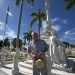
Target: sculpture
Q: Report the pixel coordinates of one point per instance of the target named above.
(57, 49)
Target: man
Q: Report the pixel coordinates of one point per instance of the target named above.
(37, 49)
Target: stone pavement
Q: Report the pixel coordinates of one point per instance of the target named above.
(25, 68)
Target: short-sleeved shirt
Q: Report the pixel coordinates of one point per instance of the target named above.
(37, 47)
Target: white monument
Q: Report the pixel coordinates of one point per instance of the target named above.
(57, 49)
(51, 37)
(54, 47)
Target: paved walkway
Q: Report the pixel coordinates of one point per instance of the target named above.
(25, 68)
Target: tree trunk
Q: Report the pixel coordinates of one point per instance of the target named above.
(19, 25)
(39, 28)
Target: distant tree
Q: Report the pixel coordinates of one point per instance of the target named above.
(6, 42)
(70, 3)
(1, 44)
(27, 37)
(38, 17)
(72, 45)
(66, 44)
(14, 43)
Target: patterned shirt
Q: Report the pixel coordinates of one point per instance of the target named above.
(38, 47)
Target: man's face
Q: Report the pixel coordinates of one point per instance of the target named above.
(34, 36)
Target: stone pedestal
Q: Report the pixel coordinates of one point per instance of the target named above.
(15, 60)
(3, 56)
(49, 64)
(2, 60)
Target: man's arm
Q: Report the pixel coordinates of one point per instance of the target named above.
(46, 47)
(43, 52)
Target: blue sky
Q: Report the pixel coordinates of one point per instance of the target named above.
(61, 20)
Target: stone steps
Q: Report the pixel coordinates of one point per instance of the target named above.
(10, 60)
(57, 69)
(26, 69)
(26, 64)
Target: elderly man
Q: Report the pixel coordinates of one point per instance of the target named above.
(37, 49)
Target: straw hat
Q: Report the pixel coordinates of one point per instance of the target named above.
(40, 64)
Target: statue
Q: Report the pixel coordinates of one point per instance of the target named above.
(57, 49)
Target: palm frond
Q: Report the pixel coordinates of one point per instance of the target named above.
(69, 3)
(39, 16)
(43, 16)
(17, 2)
(34, 14)
(25, 33)
(33, 20)
(28, 2)
(27, 37)
(32, 2)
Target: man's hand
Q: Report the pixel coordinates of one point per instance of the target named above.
(39, 54)
(34, 56)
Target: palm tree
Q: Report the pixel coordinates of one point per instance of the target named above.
(1, 44)
(6, 42)
(70, 3)
(38, 17)
(18, 2)
(27, 37)
(14, 43)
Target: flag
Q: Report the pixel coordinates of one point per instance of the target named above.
(7, 14)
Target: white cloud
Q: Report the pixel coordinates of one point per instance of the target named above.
(56, 27)
(70, 34)
(55, 19)
(64, 21)
(1, 23)
(9, 13)
(67, 32)
(1, 26)
(10, 33)
(1, 37)
(43, 24)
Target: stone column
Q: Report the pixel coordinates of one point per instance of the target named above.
(2, 59)
(3, 56)
(15, 60)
